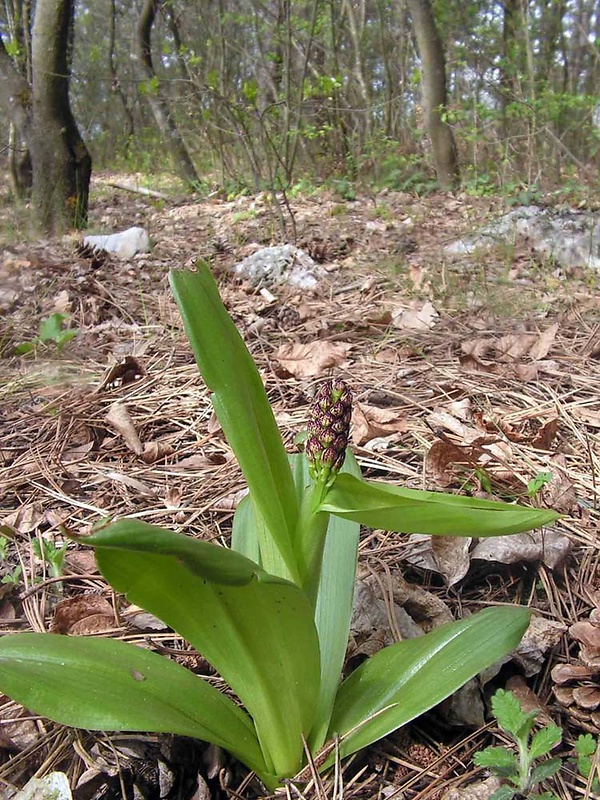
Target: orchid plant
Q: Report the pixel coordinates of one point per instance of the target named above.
(272, 613)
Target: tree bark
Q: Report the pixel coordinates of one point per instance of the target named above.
(158, 101)
(62, 165)
(433, 87)
(41, 113)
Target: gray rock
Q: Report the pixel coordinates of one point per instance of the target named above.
(569, 238)
(282, 264)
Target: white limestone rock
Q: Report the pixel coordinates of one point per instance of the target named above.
(569, 238)
(281, 264)
(124, 245)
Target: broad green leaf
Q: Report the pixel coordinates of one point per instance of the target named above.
(259, 635)
(240, 403)
(104, 684)
(333, 611)
(394, 508)
(251, 537)
(244, 533)
(402, 681)
(336, 588)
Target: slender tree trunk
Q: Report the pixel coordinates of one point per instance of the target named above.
(41, 113)
(62, 165)
(157, 99)
(433, 86)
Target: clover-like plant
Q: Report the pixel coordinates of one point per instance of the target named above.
(271, 614)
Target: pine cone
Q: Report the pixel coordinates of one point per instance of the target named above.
(97, 258)
(288, 316)
(328, 430)
(578, 684)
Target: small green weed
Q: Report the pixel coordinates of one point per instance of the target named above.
(11, 576)
(52, 329)
(520, 770)
(50, 554)
(586, 750)
(536, 484)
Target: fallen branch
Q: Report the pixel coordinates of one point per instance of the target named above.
(137, 190)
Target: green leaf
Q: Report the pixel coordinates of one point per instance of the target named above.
(241, 405)
(510, 716)
(104, 684)
(259, 634)
(51, 327)
(404, 680)
(25, 347)
(244, 533)
(497, 757)
(545, 770)
(333, 612)
(585, 745)
(544, 740)
(394, 508)
(504, 793)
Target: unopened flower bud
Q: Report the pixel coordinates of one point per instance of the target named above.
(328, 429)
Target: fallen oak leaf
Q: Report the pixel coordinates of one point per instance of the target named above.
(547, 546)
(119, 418)
(369, 422)
(416, 318)
(313, 359)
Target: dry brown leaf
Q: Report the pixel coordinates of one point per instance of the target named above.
(419, 317)
(25, 519)
(442, 456)
(368, 422)
(546, 435)
(548, 546)
(446, 555)
(155, 451)
(119, 418)
(81, 562)
(528, 699)
(451, 554)
(559, 493)
(512, 346)
(75, 609)
(313, 359)
(471, 363)
(544, 343)
(541, 637)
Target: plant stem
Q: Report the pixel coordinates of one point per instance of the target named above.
(310, 537)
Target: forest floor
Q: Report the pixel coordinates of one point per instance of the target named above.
(476, 374)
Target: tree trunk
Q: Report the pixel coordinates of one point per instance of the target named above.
(433, 87)
(19, 164)
(41, 113)
(158, 101)
(62, 165)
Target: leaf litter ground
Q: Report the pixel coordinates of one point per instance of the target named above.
(474, 375)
